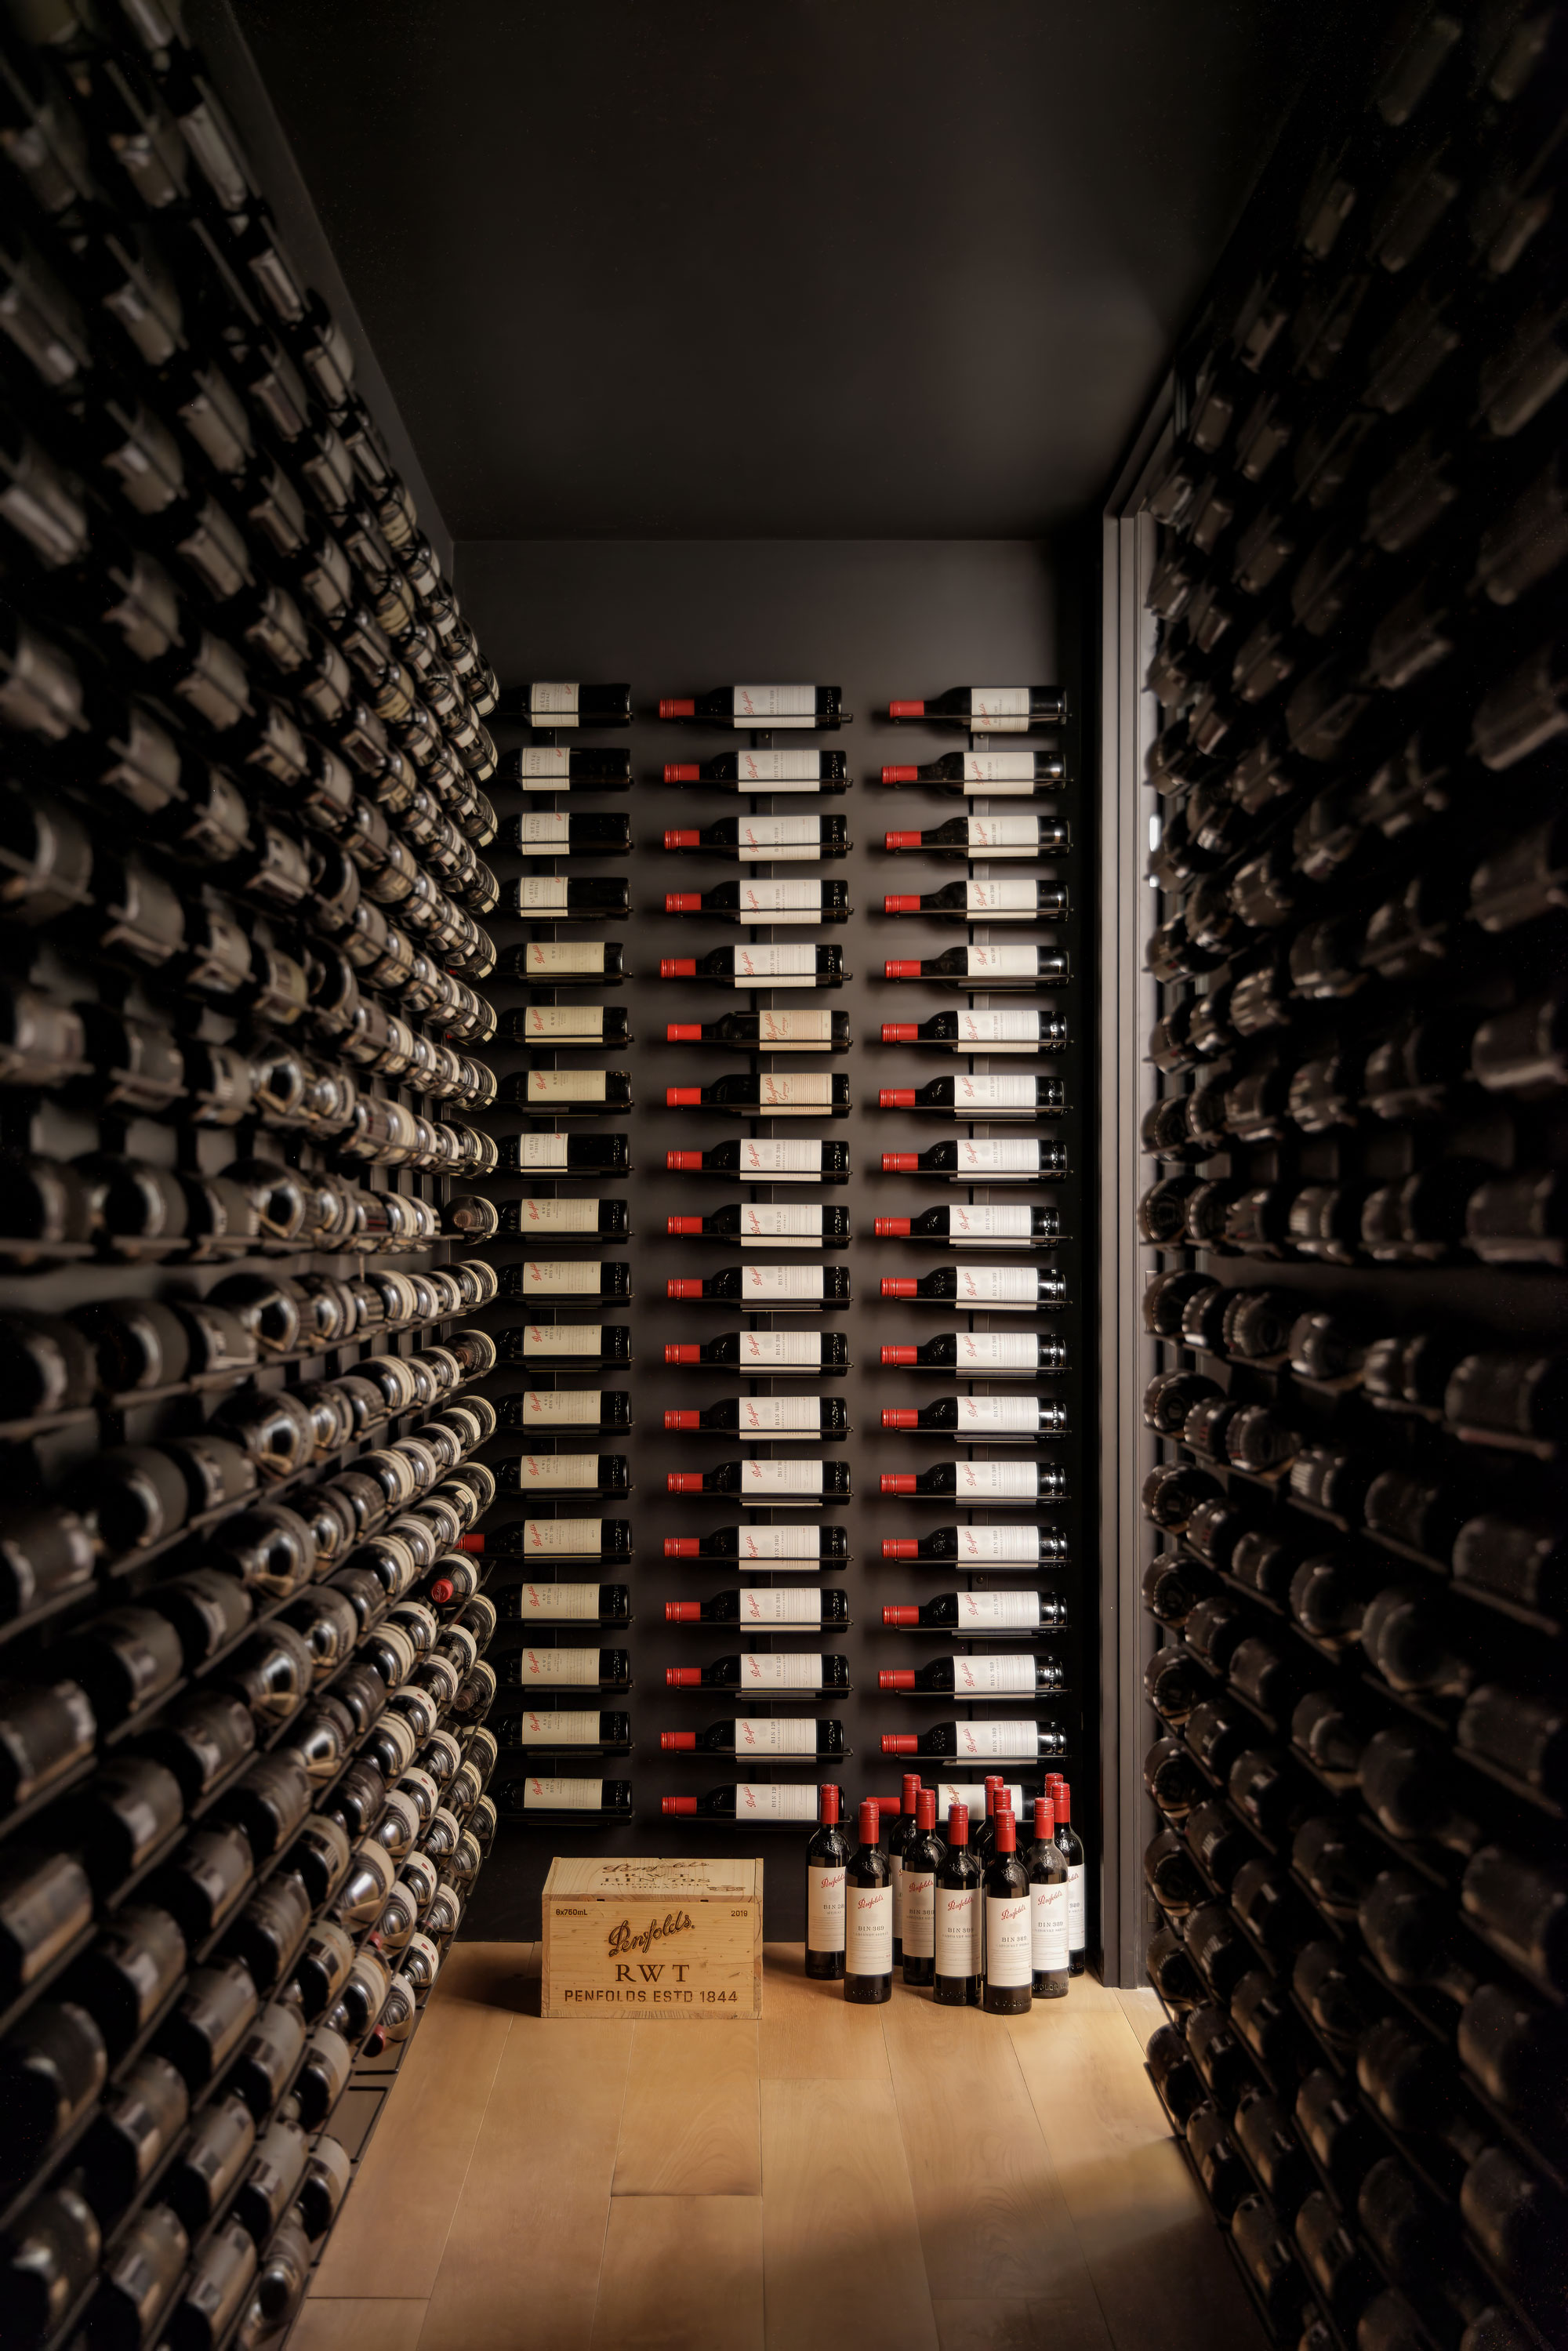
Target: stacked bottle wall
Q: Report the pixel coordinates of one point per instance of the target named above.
(241, 1755)
(1356, 1223)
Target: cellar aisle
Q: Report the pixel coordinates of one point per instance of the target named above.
(907, 2177)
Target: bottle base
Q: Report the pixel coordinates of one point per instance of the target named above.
(825, 1967)
(1050, 1985)
(1075, 1964)
(868, 1991)
(1008, 1999)
(918, 1971)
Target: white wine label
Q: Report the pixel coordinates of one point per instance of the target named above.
(990, 769)
(953, 1930)
(761, 1282)
(1003, 962)
(561, 1339)
(764, 768)
(541, 893)
(998, 1285)
(998, 709)
(895, 1876)
(567, 1086)
(868, 1930)
(778, 1605)
(550, 1471)
(756, 1737)
(775, 1415)
(561, 1276)
(779, 1542)
(979, 1028)
(786, 837)
(1014, 898)
(1017, 1415)
(576, 1407)
(824, 1907)
(552, 705)
(786, 966)
(988, 1677)
(760, 1477)
(793, 901)
(775, 705)
(759, 1800)
(919, 1913)
(792, 1669)
(544, 763)
(762, 1158)
(794, 1029)
(563, 1795)
(558, 1216)
(547, 959)
(1006, 1157)
(972, 1796)
(568, 1668)
(541, 830)
(543, 1150)
(761, 1349)
(976, 1095)
(547, 1021)
(558, 1603)
(1075, 1905)
(800, 1093)
(765, 1222)
(1011, 1481)
(1003, 1224)
(1048, 1927)
(572, 1729)
(979, 1610)
(1004, 836)
(1009, 1942)
(997, 1351)
(980, 1740)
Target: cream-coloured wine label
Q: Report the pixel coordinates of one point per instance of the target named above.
(985, 1611)
(973, 1095)
(998, 1285)
(758, 1479)
(768, 1350)
(543, 1150)
(988, 771)
(542, 828)
(1007, 1223)
(782, 1029)
(558, 1216)
(805, 1094)
(767, 1223)
(953, 1924)
(992, 1677)
(981, 1030)
(541, 893)
(998, 709)
(762, 1156)
(554, 1604)
(971, 1795)
(781, 902)
(754, 1735)
(566, 1668)
(1003, 962)
(770, 769)
(562, 1338)
(547, 1024)
(1047, 1927)
(548, 958)
(576, 1729)
(779, 1542)
(1008, 1481)
(759, 1800)
(774, 705)
(561, 1277)
(779, 1606)
(567, 1086)
(790, 1669)
(760, 1283)
(985, 1740)
(868, 1930)
(786, 838)
(1006, 1415)
(997, 1351)
(919, 1913)
(550, 1472)
(779, 1416)
(553, 705)
(1075, 1905)
(569, 1407)
(776, 966)
(1009, 1940)
(544, 763)
(563, 1795)
(1004, 836)
(1009, 1156)
(824, 1906)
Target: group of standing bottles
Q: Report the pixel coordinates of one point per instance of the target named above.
(983, 1924)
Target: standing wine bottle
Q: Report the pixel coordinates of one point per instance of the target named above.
(543, 768)
(1071, 1846)
(760, 707)
(978, 1096)
(983, 1546)
(749, 1736)
(766, 1032)
(605, 1474)
(759, 1159)
(984, 901)
(774, 840)
(824, 1094)
(979, 1678)
(979, 1485)
(551, 706)
(765, 771)
(756, 1605)
(567, 1346)
(868, 1915)
(983, 1420)
(610, 1799)
(769, 1289)
(798, 964)
(766, 1225)
(991, 709)
(1020, 1159)
(971, 1227)
(567, 1093)
(785, 1485)
(545, 1539)
(898, 1837)
(565, 963)
(1012, 837)
(767, 1354)
(765, 902)
(984, 1354)
(827, 1418)
(1010, 1945)
(1008, 966)
(975, 1741)
(1048, 1879)
(955, 1977)
(823, 1544)
(550, 898)
(999, 775)
(923, 1858)
(982, 1032)
(539, 833)
(750, 1800)
(537, 1280)
(565, 1154)
(992, 1289)
(827, 1858)
(754, 1670)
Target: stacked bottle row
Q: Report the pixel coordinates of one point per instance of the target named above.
(1356, 1212)
(242, 1765)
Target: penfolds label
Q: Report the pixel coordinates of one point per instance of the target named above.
(558, 1603)
(780, 1415)
(548, 1471)
(543, 1150)
(983, 963)
(567, 1668)
(1048, 1927)
(549, 1022)
(779, 1542)
(868, 1930)
(1018, 1416)
(998, 1285)
(543, 763)
(541, 893)
(775, 705)
(1010, 1939)
(1075, 1905)
(540, 830)
(1011, 1481)
(979, 1740)
(547, 959)
(766, 1223)
(953, 1930)
(997, 1351)
(792, 1669)
(971, 1093)
(756, 1737)
(824, 1907)
(561, 1276)
(1004, 836)
(984, 1610)
(757, 1799)
(1005, 772)
(758, 1479)
(919, 1921)
(795, 1028)
(1003, 1158)
(558, 1216)
(566, 1085)
(981, 1028)
(574, 1407)
(775, 767)
(998, 709)
(972, 1796)
(1003, 1224)
(758, 1283)
(576, 1728)
(561, 1339)
(552, 705)
(988, 1677)
(784, 837)
(766, 1349)
(563, 1795)
(781, 902)
(1006, 899)
(778, 967)
(762, 1158)
(801, 1093)
(779, 1606)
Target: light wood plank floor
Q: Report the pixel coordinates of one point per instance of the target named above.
(900, 2178)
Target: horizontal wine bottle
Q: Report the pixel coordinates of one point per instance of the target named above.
(968, 1226)
(1006, 901)
(545, 767)
(994, 1289)
(983, 1420)
(990, 709)
(978, 1484)
(827, 1545)
(762, 1159)
(765, 902)
(773, 839)
(564, 1603)
(998, 775)
(980, 1742)
(551, 898)
(767, 1354)
(800, 1094)
(757, 1224)
(984, 1354)
(791, 965)
(1008, 965)
(551, 1028)
(982, 1611)
(608, 1220)
(981, 1546)
(607, 1800)
(988, 1031)
(1012, 837)
(760, 707)
(770, 1289)
(966, 1678)
(746, 1736)
(753, 1605)
(752, 1670)
(537, 1279)
(766, 1032)
(548, 1538)
(765, 771)
(783, 1485)
(544, 1411)
(824, 1417)
(572, 1727)
(566, 1346)
(566, 1473)
(567, 1093)
(541, 832)
(983, 1160)
(566, 705)
(534, 1667)
(564, 963)
(565, 1154)
(748, 1800)
(983, 1097)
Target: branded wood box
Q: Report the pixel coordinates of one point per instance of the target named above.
(652, 1939)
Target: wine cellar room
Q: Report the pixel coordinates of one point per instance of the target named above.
(680, 1357)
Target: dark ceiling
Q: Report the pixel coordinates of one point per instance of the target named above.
(775, 268)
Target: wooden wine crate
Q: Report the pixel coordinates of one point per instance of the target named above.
(649, 1939)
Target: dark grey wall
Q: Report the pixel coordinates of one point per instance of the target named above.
(882, 618)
